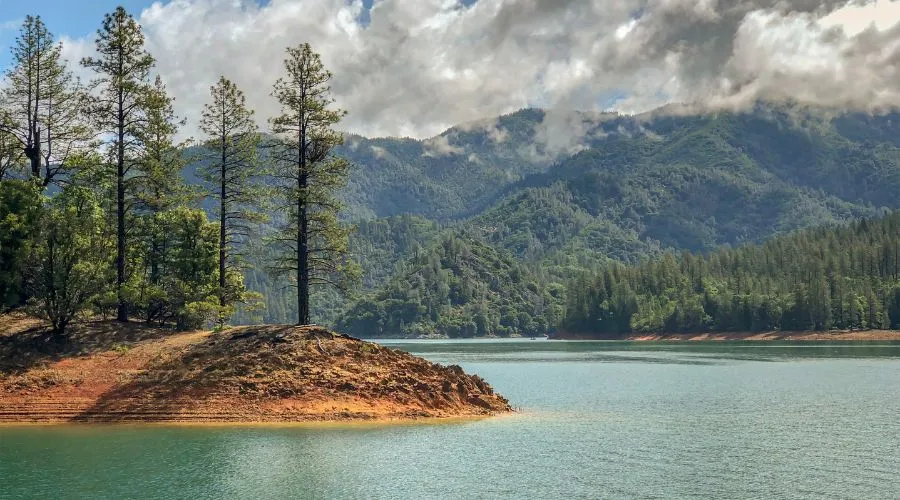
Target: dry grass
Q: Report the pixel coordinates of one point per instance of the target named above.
(249, 374)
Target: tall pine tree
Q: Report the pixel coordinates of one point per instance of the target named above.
(158, 188)
(232, 172)
(311, 239)
(123, 68)
(43, 104)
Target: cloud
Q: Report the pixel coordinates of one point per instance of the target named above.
(11, 24)
(440, 146)
(414, 68)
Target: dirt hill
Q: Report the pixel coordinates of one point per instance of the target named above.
(111, 372)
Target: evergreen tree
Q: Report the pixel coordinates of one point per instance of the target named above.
(122, 67)
(232, 172)
(68, 264)
(158, 187)
(43, 105)
(312, 241)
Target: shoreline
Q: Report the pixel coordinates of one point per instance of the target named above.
(252, 424)
(793, 336)
(258, 375)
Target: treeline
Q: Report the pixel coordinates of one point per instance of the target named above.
(95, 216)
(457, 287)
(383, 245)
(844, 277)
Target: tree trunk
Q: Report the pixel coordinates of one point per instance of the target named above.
(302, 258)
(33, 153)
(121, 309)
(302, 236)
(222, 253)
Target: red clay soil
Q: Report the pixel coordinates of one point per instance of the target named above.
(836, 335)
(109, 373)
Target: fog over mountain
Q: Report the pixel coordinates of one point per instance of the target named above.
(415, 68)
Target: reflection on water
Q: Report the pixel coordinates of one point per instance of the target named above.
(597, 419)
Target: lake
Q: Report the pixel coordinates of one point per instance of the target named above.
(595, 420)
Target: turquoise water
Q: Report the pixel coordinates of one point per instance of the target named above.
(596, 420)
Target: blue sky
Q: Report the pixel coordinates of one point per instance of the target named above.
(63, 17)
(73, 18)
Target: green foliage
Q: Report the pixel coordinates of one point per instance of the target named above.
(182, 285)
(68, 262)
(310, 240)
(457, 288)
(837, 277)
(20, 212)
(159, 186)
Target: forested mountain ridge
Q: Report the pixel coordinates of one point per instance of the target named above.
(691, 182)
(635, 187)
(816, 279)
(461, 288)
(711, 182)
(445, 177)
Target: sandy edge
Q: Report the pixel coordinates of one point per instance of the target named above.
(315, 424)
(798, 336)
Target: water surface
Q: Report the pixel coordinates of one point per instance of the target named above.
(596, 419)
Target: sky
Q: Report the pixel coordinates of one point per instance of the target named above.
(415, 67)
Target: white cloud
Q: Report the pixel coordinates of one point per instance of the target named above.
(440, 146)
(856, 18)
(420, 66)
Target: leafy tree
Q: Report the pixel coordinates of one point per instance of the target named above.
(190, 281)
(157, 187)
(43, 104)
(232, 172)
(313, 242)
(69, 260)
(20, 212)
(122, 67)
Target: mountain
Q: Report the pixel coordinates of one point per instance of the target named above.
(700, 182)
(450, 176)
(641, 185)
(459, 288)
(564, 193)
(844, 277)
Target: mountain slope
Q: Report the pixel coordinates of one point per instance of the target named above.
(845, 277)
(458, 288)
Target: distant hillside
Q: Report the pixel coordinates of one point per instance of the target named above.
(446, 177)
(566, 192)
(700, 182)
(845, 277)
(458, 288)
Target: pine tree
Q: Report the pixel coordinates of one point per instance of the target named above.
(312, 239)
(158, 187)
(123, 68)
(232, 172)
(10, 153)
(43, 105)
